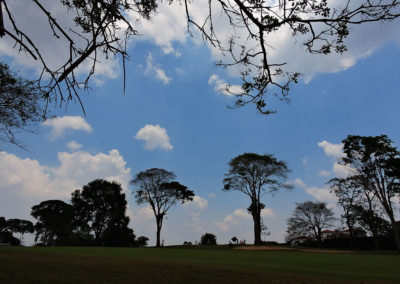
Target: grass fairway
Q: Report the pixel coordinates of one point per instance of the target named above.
(192, 265)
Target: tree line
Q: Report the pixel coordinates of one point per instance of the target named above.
(97, 212)
(366, 196)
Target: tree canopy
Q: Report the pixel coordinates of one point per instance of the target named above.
(20, 226)
(309, 219)
(377, 165)
(100, 207)
(156, 188)
(104, 27)
(255, 175)
(54, 224)
(208, 239)
(21, 105)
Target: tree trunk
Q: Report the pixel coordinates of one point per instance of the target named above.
(257, 228)
(159, 225)
(396, 232)
(351, 234)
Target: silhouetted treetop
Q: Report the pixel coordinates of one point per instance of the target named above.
(157, 188)
(255, 175)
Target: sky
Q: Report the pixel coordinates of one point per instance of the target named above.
(173, 115)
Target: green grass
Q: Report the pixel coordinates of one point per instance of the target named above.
(192, 265)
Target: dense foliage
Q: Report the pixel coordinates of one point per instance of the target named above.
(96, 216)
(156, 188)
(254, 175)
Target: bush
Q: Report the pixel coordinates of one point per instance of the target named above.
(7, 237)
(208, 239)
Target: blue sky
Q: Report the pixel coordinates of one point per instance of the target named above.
(172, 116)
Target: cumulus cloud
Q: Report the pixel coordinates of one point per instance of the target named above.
(154, 137)
(198, 203)
(267, 213)
(73, 145)
(165, 30)
(335, 151)
(239, 217)
(156, 71)
(193, 211)
(322, 194)
(332, 150)
(169, 27)
(26, 182)
(324, 173)
(342, 170)
(222, 87)
(61, 124)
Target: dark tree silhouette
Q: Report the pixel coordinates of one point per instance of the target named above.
(255, 175)
(235, 240)
(20, 106)
(103, 26)
(208, 239)
(348, 192)
(54, 224)
(142, 241)
(156, 188)
(309, 219)
(6, 235)
(3, 224)
(377, 163)
(20, 226)
(101, 208)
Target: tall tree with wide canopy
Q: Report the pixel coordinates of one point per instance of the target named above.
(157, 188)
(54, 224)
(377, 163)
(20, 226)
(101, 207)
(256, 175)
(309, 219)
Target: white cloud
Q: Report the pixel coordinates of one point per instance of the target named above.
(342, 170)
(73, 145)
(335, 151)
(198, 203)
(330, 149)
(322, 194)
(222, 87)
(60, 124)
(324, 173)
(267, 213)
(156, 71)
(239, 217)
(26, 182)
(169, 26)
(154, 137)
(193, 210)
(211, 195)
(164, 28)
(144, 214)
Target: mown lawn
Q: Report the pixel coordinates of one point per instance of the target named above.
(192, 265)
